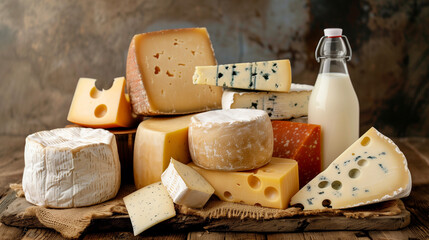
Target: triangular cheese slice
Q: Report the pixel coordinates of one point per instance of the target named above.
(371, 170)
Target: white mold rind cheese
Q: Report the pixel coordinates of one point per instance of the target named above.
(185, 185)
(278, 105)
(231, 140)
(71, 167)
(371, 170)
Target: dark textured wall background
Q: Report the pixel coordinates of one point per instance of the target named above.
(45, 46)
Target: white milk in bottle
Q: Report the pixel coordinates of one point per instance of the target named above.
(333, 102)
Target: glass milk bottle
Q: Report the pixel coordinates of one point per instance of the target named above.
(333, 102)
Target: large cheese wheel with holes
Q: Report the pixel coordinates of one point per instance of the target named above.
(71, 167)
(231, 140)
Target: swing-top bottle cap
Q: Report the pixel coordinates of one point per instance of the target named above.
(333, 32)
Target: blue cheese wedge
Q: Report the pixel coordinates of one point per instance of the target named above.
(149, 206)
(265, 76)
(371, 170)
(278, 105)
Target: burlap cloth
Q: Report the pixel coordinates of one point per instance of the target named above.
(73, 221)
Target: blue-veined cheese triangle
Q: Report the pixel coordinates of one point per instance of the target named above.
(371, 170)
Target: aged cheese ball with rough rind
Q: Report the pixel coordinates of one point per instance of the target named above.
(71, 167)
(231, 140)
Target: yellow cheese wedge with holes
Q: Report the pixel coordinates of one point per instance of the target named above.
(270, 186)
(91, 107)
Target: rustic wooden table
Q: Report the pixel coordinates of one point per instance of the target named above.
(415, 149)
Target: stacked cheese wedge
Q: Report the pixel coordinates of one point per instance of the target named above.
(245, 152)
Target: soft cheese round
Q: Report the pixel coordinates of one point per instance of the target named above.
(231, 140)
(71, 167)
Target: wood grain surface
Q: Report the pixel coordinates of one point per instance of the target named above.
(415, 149)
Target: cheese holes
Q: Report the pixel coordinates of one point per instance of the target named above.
(323, 184)
(362, 162)
(100, 111)
(258, 205)
(254, 182)
(267, 170)
(271, 193)
(94, 93)
(365, 141)
(298, 205)
(169, 74)
(157, 69)
(354, 173)
(336, 185)
(227, 195)
(326, 203)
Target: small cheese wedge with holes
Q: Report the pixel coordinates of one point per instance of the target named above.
(91, 107)
(149, 206)
(265, 76)
(270, 186)
(371, 170)
(185, 185)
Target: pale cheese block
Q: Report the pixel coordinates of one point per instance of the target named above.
(158, 140)
(278, 105)
(265, 75)
(185, 185)
(149, 206)
(231, 140)
(71, 167)
(371, 170)
(110, 108)
(160, 66)
(272, 185)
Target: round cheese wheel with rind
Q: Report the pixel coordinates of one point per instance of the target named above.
(231, 140)
(71, 167)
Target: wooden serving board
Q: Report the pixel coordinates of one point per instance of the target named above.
(11, 207)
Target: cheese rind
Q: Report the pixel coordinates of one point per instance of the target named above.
(149, 206)
(157, 141)
(371, 170)
(160, 66)
(71, 167)
(101, 109)
(185, 185)
(266, 75)
(278, 105)
(231, 140)
(270, 186)
(301, 142)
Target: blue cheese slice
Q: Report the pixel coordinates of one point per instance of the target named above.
(149, 206)
(371, 170)
(265, 76)
(278, 105)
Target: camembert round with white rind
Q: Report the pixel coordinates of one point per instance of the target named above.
(231, 140)
(71, 167)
